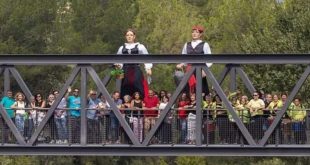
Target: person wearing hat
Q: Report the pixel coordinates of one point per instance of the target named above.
(196, 46)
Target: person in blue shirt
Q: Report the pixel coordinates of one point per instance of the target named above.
(74, 105)
(7, 102)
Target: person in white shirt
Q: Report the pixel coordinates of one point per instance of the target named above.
(133, 80)
(196, 46)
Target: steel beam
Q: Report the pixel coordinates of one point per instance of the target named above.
(163, 150)
(118, 84)
(154, 58)
(115, 110)
(199, 104)
(245, 79)
(51, 110)
(21, 83)
(83, 105)
(290, 98)
(106, 79)
(7, 82)
(11, 125)
(164, 112)
(233, 79)
(228, 105)
(224, 74)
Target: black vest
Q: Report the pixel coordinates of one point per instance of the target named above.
(134, 50)
(198, 49)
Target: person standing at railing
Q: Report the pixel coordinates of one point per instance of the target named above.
(151, 104)
(208, 121)
(297, 112)
(114, 123)
(60, 117)
(244, 114)
(74, 105)
(92, 117)
(40, 114)
(196, 46)
(133, 80)
(287, 124)
(127, 115)
(165, 131)
(222, 121)
(191, 119)
(7, 101)
(137, 115)
(273, 108)
(20, 105)
(50, 131)
(256, 106)
(182, 116)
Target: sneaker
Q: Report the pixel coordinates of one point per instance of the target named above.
(52, 141)
(65, 141)
(58, 141)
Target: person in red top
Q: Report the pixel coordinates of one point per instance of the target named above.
(182, 115)
(151, 104)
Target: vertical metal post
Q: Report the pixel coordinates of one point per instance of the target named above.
(198, 105)
(83, 106)
(7, 83)
(233, 79)
(118, 85)
(21, 82)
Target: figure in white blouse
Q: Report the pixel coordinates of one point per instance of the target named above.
(196, 46)
(134, 80)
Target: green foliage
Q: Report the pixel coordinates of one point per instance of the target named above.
(274, 161)
(185, 160)
(166, 25)
(116, 72)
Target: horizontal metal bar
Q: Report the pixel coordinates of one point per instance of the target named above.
(155, 58)
(157, 151)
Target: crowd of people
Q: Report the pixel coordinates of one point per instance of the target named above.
(141, 113)
(141, 107)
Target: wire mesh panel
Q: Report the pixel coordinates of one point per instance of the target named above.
(55, 131)
(7, 137)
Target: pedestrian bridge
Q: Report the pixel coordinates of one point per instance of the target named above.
(210, 131)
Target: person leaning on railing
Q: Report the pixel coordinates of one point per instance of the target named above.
(151, 104)
(60, 117)
(92, 117)
(183, 100)
(20, 113)
(137, 115)
(297, 113)
(221, 119)
(208, 120)
(256, 106)
(7, 102)
(74, 105)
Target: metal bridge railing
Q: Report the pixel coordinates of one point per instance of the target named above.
(103, 128)
(166, 130)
